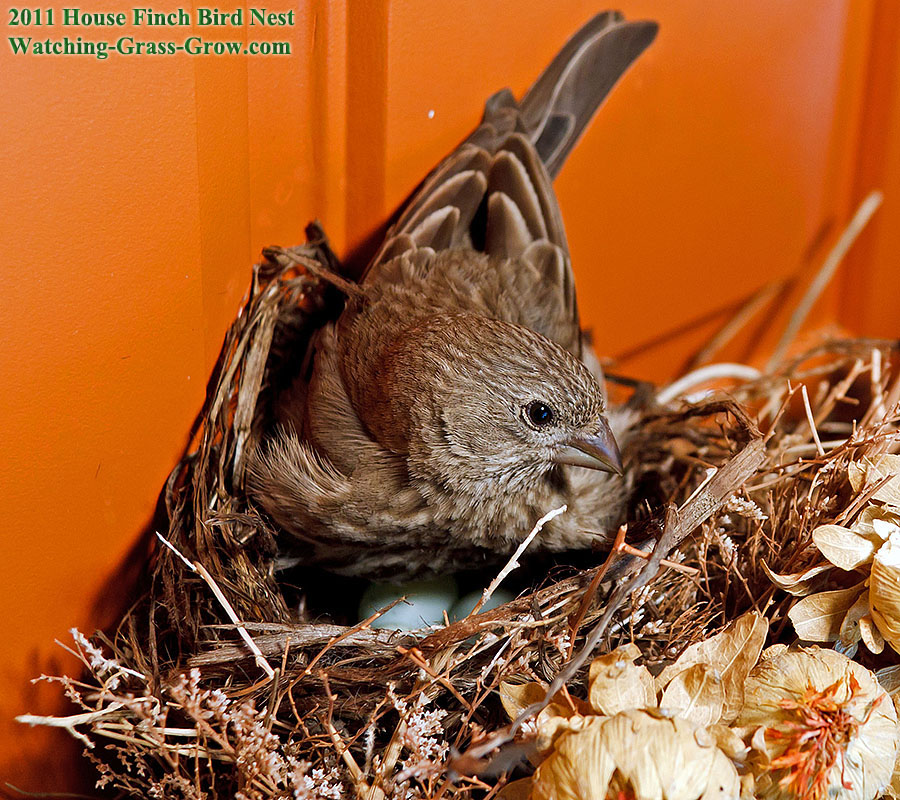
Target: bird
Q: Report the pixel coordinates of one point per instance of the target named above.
(455, 399)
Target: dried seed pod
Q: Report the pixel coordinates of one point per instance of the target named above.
(823, 727)
(637, 755)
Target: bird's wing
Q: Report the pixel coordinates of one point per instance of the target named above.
(494, 192)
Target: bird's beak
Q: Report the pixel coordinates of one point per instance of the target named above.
(595, 451)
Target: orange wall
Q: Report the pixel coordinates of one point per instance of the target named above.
(138, 191)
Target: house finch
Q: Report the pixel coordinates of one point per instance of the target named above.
(455, 399)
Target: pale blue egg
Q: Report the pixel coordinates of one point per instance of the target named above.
(425, 603)
(467, 602)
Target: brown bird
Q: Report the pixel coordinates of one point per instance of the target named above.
(455, 400)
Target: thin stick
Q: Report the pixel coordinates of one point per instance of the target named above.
(223, 601)
(345, 634)
(838, 392)
(514, 560)
(70, 721)
(809, 447)
(311, 265)
(684, 569)
(731, 328)
(812, 422)
(876, 407)
(711, 473)
(826, 272)
(588, 597)
(415, 655)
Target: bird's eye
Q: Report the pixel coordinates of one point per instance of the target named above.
(539, 414)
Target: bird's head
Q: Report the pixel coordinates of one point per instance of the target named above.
(485, 401)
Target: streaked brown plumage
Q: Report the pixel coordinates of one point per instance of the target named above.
(454, 401)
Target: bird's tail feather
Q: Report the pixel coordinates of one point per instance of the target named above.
(563, 100)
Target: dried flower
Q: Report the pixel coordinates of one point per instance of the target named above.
(870, 610)
(635, 755)
(622, 746)
(422, 735)
(744, 507)
(821, 725)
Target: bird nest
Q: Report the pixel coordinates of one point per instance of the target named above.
(219, 682)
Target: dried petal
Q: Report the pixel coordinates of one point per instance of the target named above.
(732, 653)
(552, 723)
(884, 529)
(557, 716)
(849, 633)
(884, 590)
(844, 547)
(696, 695)
(893, 790)
(795, 583)
(818, 618)
(758, 741)
(617, 684)
(856, 472)
(773, 651)
(636, 755)
(871, 636)
(729, 742)
(516, 697)
(876, 521)
(827, 727)
(872, 470)
(516, 790)
(889, 678)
